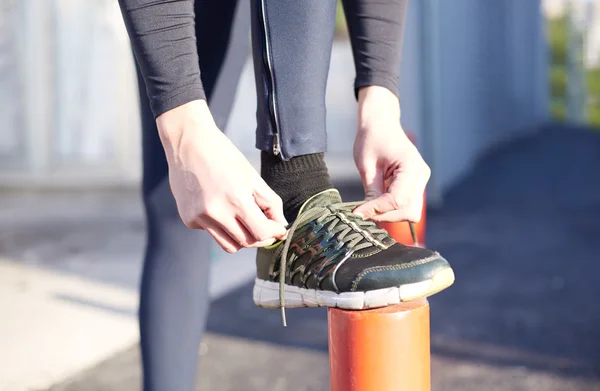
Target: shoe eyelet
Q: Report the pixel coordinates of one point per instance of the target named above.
(316, 227)
(326, 241)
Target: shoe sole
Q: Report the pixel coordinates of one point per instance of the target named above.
(266, 294)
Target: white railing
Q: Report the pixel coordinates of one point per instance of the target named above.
(578, 23)
(70, 94)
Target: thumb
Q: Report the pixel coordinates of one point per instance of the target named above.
(372, 179)
(373, 183)
(270, 203)
(373, 208)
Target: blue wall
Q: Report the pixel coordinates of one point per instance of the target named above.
(474, 75)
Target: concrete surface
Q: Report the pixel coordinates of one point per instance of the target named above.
(522, 232)
(55, 325)
(69, 270)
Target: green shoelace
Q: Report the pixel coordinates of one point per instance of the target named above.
(352, 229)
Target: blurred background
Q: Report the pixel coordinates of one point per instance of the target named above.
(503, 98)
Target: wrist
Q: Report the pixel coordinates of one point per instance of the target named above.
(178, 127)
(377, 104)
(190, 115)
(376, 92)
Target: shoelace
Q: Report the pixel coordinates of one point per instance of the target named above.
(351, 230)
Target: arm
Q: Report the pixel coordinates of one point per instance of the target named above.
(376, 31)
(214, 186)
(164, 44)
(393, 172)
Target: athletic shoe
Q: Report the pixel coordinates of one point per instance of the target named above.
(334, 258)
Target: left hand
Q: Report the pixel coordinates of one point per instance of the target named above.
(393, 172)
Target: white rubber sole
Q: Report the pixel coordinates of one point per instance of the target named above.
(266, 294)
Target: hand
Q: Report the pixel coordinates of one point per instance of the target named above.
(215, 187)
(393, 172)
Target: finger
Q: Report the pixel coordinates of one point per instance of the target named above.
(385, 208)
(238, 232)
(243, 237)
(259, 226)
(264, 243)
(408, 191)
(412, 212)
(403, 197)
(380, 205)
(269, 202)
(372, 179)
(223, 239)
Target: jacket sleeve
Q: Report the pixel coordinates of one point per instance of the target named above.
(162, 34)
(376, 29)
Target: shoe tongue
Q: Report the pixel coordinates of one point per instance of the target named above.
(324, 198)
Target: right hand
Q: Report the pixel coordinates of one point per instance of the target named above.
(214, 185)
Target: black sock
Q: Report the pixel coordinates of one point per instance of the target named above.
(295, 180)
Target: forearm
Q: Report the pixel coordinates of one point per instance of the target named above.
(376, 33)
(163, 37)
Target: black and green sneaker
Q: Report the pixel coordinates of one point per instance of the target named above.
(334, 258)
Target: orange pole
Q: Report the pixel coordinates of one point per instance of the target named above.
(383, 349)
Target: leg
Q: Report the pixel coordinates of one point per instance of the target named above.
(292, 43)
(174, 293)
(331, 256)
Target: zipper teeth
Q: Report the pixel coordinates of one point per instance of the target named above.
(268, 66)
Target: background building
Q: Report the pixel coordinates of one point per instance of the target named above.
(474, 75)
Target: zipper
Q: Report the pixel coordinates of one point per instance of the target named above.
(270, 81)
(276, 146)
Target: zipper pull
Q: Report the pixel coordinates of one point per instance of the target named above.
(276, 147)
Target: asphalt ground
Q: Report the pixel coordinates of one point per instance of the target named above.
(522, 232)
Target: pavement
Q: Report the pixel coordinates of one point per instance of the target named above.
(521, 231)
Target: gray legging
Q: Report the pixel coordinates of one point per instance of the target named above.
(292, 42)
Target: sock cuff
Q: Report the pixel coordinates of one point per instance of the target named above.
(271, 164)
(295, 180)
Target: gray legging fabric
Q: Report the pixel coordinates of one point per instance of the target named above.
(291, 42)
(174, 292)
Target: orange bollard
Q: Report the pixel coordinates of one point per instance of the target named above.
(383, 349)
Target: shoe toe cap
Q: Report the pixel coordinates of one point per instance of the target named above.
(395, 267)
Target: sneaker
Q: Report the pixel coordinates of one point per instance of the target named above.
(334, 258)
